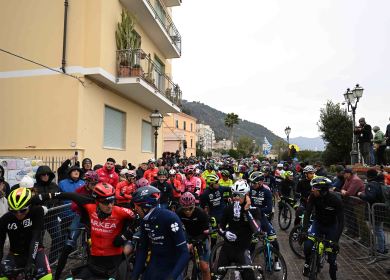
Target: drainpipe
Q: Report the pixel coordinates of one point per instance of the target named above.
(64, 40)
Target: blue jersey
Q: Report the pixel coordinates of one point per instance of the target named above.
(269, 181)
(262, 199)
(169, 252)
(214, 200)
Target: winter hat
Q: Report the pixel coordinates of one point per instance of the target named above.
(371, 173)
(318, 163)
(27, 182)
(339, 168)
(376, 128)
(124, 171)
(362, 120)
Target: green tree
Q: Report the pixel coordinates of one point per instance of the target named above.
(280, 146)
(230, 120)
(304, 155)
(233, 153)
(335, 126)
(245, 144)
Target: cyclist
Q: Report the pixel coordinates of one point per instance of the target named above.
(125, 188)
(245, 172)
(106, 228)
(91, 179)
(24, 224)
(225, 182)
(269, 180)
(237, 174)
(151, 173)
(164, 187)
(212, 199)
(191, 183)
(162, 230)
(329, 220)
(209, 170)
(179, 177)
(239, 222)
(303, 191)
(176, 185)
(286, 185)
(196, 223)
(261, 197)
(198, 174)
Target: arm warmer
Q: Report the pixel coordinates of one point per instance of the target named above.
(254, 217)
(36, 234)
(309, 209)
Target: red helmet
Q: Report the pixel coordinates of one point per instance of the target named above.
(91, 177)
(141, 183)
(103, 191)
(189, 170)
(187, 200)
(131, 174)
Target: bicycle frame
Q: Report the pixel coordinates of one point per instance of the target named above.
(319, 249)
(267, 255)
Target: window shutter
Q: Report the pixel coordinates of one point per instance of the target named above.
(147, 137)
(114, 129)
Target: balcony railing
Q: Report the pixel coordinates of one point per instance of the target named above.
(163, 16)
(136, 63)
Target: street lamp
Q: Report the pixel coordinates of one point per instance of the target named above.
(287, 130)
(156, 119)
(352, 99)
(254, 145)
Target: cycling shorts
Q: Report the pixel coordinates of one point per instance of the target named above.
(203, 256)
(42, 264)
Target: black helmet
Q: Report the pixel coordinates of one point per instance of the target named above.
(162, 172)
(146, 197)
(321, 183)
(257, 177)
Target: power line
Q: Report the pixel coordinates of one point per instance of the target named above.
(43, 66)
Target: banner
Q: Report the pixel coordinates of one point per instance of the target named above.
(269, 146)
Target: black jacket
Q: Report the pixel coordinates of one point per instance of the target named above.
(373, 194)
(364, 134)
(48, 186)
(387, 134)
(140, 173)
(321, 172)
(7, 188)
(62, 171)
(83, 168)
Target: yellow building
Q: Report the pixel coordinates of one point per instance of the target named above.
(179, 127)
(100, 108)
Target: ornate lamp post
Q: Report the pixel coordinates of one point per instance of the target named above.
(156, 119)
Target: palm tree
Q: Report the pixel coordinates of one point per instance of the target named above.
(230, 120)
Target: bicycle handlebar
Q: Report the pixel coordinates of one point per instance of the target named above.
(240, 268)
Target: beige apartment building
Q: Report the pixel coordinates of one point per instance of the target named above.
(101, 107)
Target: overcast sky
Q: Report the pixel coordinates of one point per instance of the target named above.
(277, 62)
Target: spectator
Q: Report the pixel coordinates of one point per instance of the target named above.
(379, 139)
(97, 166)
(6, 188)
(294, 163)
(86, 165)
(141, 170)
(131, 167)
(363, 132)
(75, 180)
(107, 173)
(177, 154)
(44, 184)
(354, 185)
(386, 177)
(160, 162)
(125, 188)
(387, 135)
(151, 173)
(373, 194)
(124, 164)
(122, 174)
(371, 150)
(3, 198)
(118, 169)
(320, 169)
(292, 151)
(338, 181)
(62, 171)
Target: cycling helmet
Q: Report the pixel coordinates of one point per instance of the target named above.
(197, 171)
(131, 174)
(321, 183)
(172, 172)
(266, 169)
(257, 177)
(176, 165)
(189, 170)
(241, 187)
(286, 164)
(212, 179)
(308, 169)
(282, 162)
(254, 175)
(187, 200)
(210, 166)
(288, 173)
(146, 197)
(268, 164)
(280, 165)
(19, 198)
(244, 168)
(151, 160)
(141, 183)
(103, 191)
(91, 177)
(162, 172)
(236, 169)
(225, 173)
(26, 182)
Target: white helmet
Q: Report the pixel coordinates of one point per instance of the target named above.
(172, 172)
(240, 186)
(27, 182)
(308, 169)
(280, 165)
(197, 171)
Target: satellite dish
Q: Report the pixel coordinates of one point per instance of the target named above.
(176, 118)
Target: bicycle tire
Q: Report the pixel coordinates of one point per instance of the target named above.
(263, 262)
(287, 219)
(187, 278)
(313, 267)
(190, 269)
(213, 257)
(293, 241)
(131, 260)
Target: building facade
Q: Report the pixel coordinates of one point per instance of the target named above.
(180, 127)
(205, 133)
(101, 107)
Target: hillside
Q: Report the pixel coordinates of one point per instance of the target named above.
(215, 119)
(305, 143)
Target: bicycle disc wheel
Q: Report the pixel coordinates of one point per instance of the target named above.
(294, 244)
(214, 255)
(284, 217)
(267, 262)
(313, 267)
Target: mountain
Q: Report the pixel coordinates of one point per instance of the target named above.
(305, 143)
(215, 119)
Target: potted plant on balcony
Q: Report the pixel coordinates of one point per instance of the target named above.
(136, 70)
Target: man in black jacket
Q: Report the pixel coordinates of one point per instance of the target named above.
(320, 169)
(86, 165)
(7, 187)
(44, 184)
(363, 132)
(387, 135)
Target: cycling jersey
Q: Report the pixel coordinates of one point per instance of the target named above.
(203, 181)
(193, 185)
(303, 189)
(126, 189)
(150, 175)
(286, 187)
(279, 173)
(197, 223)
(206, 173)
(227, 183)
(269, 181)
(179, 177)
(261, 198)
(24, 235)
(169, 253)
(235, 177)
(213, 198)
(177, 187)
(103, 231)
(165, 189)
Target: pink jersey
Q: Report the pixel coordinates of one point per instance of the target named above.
(194, 186)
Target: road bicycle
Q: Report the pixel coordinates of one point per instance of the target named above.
(84, 243)
(192, 270)
(14, 273)
(285, 213)
(238, 269)
(293, 238)
(318, 256)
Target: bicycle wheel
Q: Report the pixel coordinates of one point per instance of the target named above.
(214, 255)
(313, 266)
(190, 270)
(131, 260)
(284, 217)
(267, 262)
(294, 244)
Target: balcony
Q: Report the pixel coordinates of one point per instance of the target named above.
(174, 136)
(172, 3)
(157, 23)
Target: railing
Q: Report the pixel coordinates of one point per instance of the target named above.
(136, 63)
(163, 16)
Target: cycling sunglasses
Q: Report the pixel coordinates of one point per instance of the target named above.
(21, 211)
(106, 202)
(93, 183)
(188, 209)
(240, 195)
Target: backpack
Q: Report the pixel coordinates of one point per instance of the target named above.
(385, 193)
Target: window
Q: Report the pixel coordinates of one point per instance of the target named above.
(114, 128)
(191, 143)
(158, 74)
(147, 137)
(177, 124)
(184, 125)
(191, 127)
